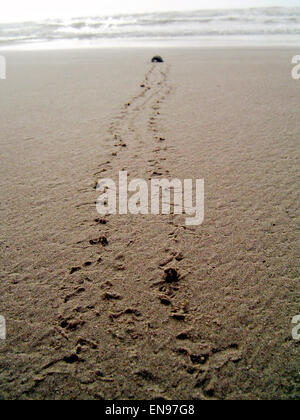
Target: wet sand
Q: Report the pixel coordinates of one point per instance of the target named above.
(98, 320)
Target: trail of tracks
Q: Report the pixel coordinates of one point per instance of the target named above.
(136, 129)
(121, 326)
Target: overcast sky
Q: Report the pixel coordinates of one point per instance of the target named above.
(17, 10)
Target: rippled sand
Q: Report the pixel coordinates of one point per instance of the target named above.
(90, 318)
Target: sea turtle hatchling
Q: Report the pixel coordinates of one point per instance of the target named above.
(157, 59)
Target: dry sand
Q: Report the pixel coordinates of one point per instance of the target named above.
(113, 328)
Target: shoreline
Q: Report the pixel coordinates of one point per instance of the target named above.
(205, 43)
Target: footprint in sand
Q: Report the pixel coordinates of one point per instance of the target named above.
(102, 240)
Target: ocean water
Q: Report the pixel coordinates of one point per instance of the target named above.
(257, 26)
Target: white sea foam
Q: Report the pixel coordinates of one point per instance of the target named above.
(274, 25)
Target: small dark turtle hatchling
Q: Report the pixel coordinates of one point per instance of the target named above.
(157, 59)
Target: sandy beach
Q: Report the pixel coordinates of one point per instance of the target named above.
(89, 320)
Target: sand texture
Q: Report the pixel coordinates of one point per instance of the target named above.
(96, 319)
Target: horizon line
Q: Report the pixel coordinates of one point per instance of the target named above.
(44, 19)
